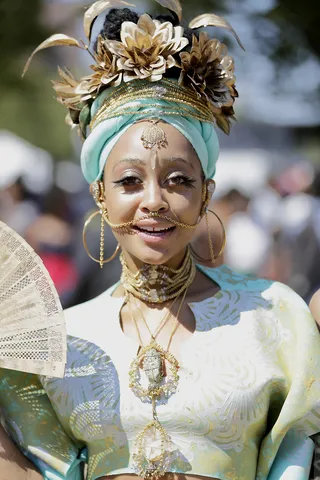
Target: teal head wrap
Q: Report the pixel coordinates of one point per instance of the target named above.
(104, 136)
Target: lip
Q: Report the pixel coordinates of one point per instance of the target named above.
(156, 238)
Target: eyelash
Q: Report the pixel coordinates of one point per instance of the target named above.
(127, 181)
(184, 180)
(132, 181)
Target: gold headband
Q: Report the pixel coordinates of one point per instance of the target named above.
(120, 101)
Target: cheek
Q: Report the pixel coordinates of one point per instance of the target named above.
(121, 207)
(187, 205)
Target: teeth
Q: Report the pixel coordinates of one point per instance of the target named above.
(154, 229)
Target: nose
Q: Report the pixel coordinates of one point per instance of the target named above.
(153, 198)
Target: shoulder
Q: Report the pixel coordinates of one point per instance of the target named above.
(269, 302)
(231, 280)
(273, 291)
(315, 306)
(82, 319)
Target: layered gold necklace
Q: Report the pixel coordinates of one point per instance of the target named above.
(158, 283)
(152, 452)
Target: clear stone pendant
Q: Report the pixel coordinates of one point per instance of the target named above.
(152, 451)
(153, 367)
(152, 454)
(151, 360)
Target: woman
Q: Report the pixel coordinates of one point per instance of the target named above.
(178, 369)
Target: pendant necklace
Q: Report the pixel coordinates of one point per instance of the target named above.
(152, 447)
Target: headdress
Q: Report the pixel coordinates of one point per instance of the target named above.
(147, 50)
(136, 68)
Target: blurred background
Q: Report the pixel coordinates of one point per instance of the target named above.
(268, 174)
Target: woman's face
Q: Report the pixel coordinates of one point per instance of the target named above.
(138, 182)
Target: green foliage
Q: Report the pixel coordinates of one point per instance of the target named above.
(298, 31)
(32, 113)
(20, 30)
(27, 106)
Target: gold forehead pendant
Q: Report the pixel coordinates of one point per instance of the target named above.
(154, 138)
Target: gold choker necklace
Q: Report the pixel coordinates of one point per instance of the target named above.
(158, 283)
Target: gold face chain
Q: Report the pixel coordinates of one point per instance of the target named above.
(117, 226)
(98, 193)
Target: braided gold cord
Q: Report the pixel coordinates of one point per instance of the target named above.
(101, 259)
(212, 255)
(101, 242)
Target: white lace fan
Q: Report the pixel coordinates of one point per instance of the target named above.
(32, 326)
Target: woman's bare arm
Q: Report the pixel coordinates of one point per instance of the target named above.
(315, 307)
(13, 464)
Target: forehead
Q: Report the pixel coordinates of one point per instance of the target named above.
(130, 145)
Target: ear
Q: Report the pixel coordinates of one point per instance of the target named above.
(98, 194)
(209, 187)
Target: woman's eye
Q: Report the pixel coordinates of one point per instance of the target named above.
(181, 180)
(128, 181)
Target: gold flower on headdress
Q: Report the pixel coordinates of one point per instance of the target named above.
(146, 49)
(65, 88)
(76, 95)
(209, 70)
(106, 72)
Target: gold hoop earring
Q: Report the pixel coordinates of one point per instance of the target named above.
(102, 261)
(213, 257)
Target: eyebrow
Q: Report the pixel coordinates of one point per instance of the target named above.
(138, 161)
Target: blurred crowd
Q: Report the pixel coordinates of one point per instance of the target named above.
(273, 227)
(275, 232)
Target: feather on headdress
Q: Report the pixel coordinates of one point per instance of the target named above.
(146, 51)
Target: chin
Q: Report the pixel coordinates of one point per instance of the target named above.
(154, 257)
(170, 252)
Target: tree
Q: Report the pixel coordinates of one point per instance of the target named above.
(298, 33)
(20, 30)
(27, 106)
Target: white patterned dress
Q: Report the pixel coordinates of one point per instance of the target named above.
(247, 401)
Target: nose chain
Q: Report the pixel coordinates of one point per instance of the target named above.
(97, 190)
(116, 226)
